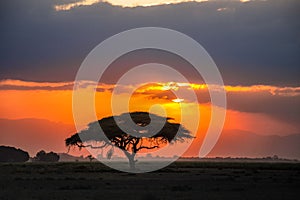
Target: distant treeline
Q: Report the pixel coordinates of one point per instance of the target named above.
(42, 156)
(11, 154)
(268, 158)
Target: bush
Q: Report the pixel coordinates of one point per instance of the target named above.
(42, 156)
(11, 154)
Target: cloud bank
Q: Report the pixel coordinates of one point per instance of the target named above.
(253, 43)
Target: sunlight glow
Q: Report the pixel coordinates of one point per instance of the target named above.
(122, 3)
(76, 4)
(178, 100)
(46, 100)
(129, 3)
(10, 84)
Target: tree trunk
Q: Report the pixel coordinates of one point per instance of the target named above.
(131, 160)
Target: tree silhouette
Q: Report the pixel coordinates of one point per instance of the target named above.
(90, 157)
(11, 154)
(42, 156)
(141, 136)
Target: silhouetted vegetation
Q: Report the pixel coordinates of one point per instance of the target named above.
(141, 138)
(90, 157)
(42, 156)
(11, 154)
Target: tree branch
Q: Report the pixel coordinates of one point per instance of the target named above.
(145, 147)
(91, 146)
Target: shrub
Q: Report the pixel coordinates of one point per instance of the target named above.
(42, 156)
(11, 154)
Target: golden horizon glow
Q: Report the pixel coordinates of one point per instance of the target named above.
(273, 90)
(35, 100)
(55, 105)
(69, 6)
(124, 4)
(127, 4)
(13, 84)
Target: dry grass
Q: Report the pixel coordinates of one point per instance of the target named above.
(181, 180)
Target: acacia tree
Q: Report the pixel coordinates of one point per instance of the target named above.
(141, 136)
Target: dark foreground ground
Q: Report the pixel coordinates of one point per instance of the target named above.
(181, 180)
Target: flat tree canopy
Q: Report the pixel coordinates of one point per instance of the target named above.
(134, 138)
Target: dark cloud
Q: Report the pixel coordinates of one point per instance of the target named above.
(49, 88)
(34, 88)
(285, 108)
(252, 43)
(139, 57)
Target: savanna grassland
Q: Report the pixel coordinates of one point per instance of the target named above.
(181, 180)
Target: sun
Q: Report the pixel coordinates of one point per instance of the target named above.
(178, 100)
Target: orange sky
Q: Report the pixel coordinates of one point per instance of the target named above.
(56, 105)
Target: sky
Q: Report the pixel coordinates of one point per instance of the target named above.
(255, 45)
